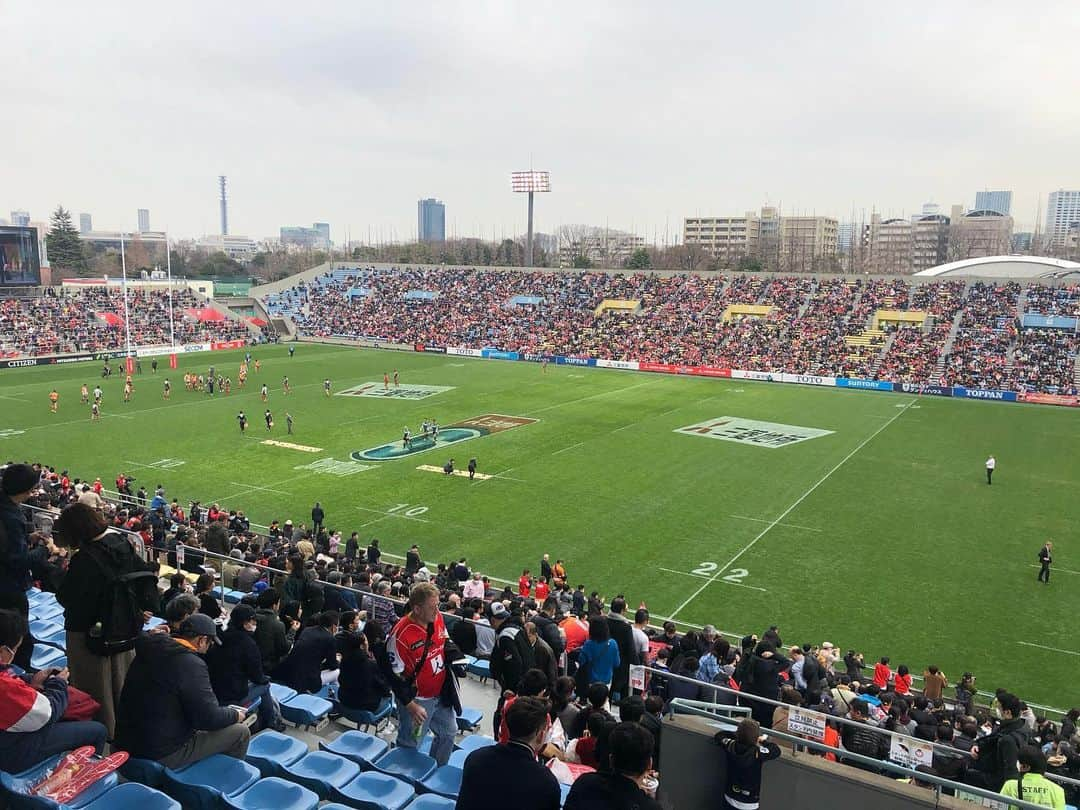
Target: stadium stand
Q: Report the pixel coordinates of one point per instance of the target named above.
(321, 757)
(958, 332)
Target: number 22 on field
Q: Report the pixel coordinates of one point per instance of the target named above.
(708, 569)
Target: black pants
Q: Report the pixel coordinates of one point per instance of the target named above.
(989, 474)
(1044, 573)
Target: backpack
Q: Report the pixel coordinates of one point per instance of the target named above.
(128, 587)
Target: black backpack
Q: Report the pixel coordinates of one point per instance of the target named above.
(129, 586)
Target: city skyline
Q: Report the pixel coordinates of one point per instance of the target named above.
(834, 112)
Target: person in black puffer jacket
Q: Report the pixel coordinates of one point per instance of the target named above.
(360, 683)
(312, 662)
(761, 677)
(746, 751)
(236, 672)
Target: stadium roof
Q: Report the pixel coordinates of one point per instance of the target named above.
(1018, 267)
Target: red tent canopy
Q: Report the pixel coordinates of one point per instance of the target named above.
(111, 318)
(204, 314)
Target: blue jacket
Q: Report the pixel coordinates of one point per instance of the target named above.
(603, 658)
(14, 548)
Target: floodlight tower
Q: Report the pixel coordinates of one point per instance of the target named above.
(531, 182)
(224, 206)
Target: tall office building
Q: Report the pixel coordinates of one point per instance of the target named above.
(86, 224)
(978, 233)
(1000, 202)
(324, 229)
(724, 237)
(144, 220)
(431, 220)
(20, 219)
(1062, 212)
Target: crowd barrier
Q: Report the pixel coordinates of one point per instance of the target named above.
(119, 354)
(921, 389)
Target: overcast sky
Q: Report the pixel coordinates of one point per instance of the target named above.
(644, 113)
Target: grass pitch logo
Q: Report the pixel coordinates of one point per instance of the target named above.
(379, 391)
(450, 435)
(750, 431)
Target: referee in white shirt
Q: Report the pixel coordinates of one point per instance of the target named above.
(991, 463)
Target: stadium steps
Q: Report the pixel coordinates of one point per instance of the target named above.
(946, 350)
(881, 355)
(805, 305)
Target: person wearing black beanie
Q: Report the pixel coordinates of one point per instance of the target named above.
(17, 482)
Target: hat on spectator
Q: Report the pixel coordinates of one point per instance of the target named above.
(423, 575)
(19, 478)
(498, 610)
(288, 523)
(826, 645)
(199, 624)
(260, 586)
(236, 554)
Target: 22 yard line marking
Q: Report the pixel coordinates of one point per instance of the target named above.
(571, 447)
(702, 576)
(591, 396)
(788, 511)
(1044, 647)
(789, 525)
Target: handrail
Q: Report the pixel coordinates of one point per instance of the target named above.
(878, 764)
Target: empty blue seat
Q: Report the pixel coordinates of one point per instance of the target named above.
(234, 597)
(144, 771)
(153, 622)
(406, 763)
(457, 758)
(305, 710)
(274, 793)
(361, 748)
(45, 657)
(480, 668)
(431, 801)
(328, 692)
(469, 719)
(446, 781)
(281, 692)
(271, 751)
(474, 741)
(365, 718)
(133, 796)
(374, 791)
(204, 785)
(321, 771)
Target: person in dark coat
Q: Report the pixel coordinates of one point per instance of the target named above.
(764, 668)
(413, 563)
(746, 751)
(318, 515)
(374, 554)
(204, 591)
(360, 683)
(236, 671)
(463, 633)
(16, 557)
(272, 637)
(312, 662)
(508, 775)
(168, 711)
(615, 786)
(622, 630)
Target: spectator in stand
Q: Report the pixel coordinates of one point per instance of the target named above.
(508, 775)
(626, 781)
(17, 484)
(474, 588)
(547, 627)
(168, 711)
(312, 662)
(178, 584)
(102, 554)
(463, 633)
(272, 637)
(543, 656)
(1031, 785)
(179, 608)
(32, 708)
(996, 753)
(861, 738)
(622, 632)
(934, 681)
(902, 681)
(236, 672)
(361, 685)
(746, 751)
(204, 591)
(513, 655)
(882, 673)
(760, 676)
(598, 659)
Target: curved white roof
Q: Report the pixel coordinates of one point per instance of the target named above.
(1018, 267)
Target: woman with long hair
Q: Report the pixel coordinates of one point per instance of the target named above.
(208, 603)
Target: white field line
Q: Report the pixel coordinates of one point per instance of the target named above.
(392, 514)
(571, 447)
(1055, 569)
(260, 489)
(789, 510)
(1044, 647)
(624, 427)
(724, 581)
(14, 399)
(788, 525)
(591, 396)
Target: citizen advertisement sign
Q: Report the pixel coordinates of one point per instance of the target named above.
(29, 361)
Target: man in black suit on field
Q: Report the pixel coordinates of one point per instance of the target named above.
(1045, 559)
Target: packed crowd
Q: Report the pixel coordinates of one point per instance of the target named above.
(91, 319)
(686, 319)
(318, 608)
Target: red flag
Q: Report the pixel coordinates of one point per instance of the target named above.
(130, 364)
(172, 361)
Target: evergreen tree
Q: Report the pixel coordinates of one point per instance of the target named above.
(64, 246)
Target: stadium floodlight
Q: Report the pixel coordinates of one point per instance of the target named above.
(530, 182)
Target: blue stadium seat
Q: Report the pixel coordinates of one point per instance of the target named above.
(234, 597)
(205, 784)
(281, 692)
(305, 710)
(374, 791)
(469, 719)
(446, 781)
(367, 719)
(406, 763)
(328, 692)
(152, 623)
(45, 657)
(321, 771)
(144, 771)
(40, 628)
(480, 668)
(361, 748)
(271, 751)
(274, 793)
(13, 788)
(474, 741)
(457, 758)
(431, 801)
(133, 796)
